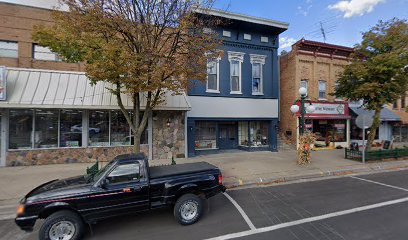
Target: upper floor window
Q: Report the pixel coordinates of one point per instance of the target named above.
(213, 76)
(257, 62)
(8, 49)
(226, 33)
(44, 53)
(264, 39)
(322, 89)
(403, 101)
(247, 36)
(395, 105)
(336, 86)
(305, 83)
(235, 59)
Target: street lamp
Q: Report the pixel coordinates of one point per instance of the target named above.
(295, 108)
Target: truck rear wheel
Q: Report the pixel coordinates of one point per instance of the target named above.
(188, 209)
(62, 225)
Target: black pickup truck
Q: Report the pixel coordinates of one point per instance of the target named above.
(125, 185)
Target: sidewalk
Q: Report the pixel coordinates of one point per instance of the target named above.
(239, 169)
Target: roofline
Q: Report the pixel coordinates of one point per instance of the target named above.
(243, 17)
(321, 44)
(31, 6)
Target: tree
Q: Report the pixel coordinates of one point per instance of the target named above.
(141, 47)
(376, 74)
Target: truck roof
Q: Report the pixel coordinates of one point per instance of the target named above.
(130, 157)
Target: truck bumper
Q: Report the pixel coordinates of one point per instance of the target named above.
(26, 223)
(215, 190)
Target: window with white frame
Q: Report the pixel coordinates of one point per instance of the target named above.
(213, 75)
(336, 85)
(44, 53)
(8, 49)
(235, 59)
(322, 89)
(305, 83)
(257, 62)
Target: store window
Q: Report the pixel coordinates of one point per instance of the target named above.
(99, 128)
(322, 89)
(44, 53)
(8, 49)
(258, 134)
(329, 130)
(212, 76)
(205, 135)
(243, 136)
(70, 128)
(46, 129)
(120, 130)
(20, 129)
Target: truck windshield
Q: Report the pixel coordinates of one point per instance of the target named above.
(102, 171)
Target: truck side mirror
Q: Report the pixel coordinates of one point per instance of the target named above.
(104, 183)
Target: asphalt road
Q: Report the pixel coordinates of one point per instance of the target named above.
(360, 207)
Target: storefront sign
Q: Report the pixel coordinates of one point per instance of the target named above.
(2, 83)
(329, 108)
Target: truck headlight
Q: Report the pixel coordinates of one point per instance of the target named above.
(20, 209)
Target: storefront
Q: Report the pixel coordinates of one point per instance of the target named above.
(59, 117)
(330, 122)
(384, 131)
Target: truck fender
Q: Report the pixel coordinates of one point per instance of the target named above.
(54, 207)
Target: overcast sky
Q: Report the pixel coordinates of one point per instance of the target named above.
(342, 21)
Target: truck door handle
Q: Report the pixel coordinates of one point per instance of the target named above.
(127, 190)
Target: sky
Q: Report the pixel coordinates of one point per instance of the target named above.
(342, 21)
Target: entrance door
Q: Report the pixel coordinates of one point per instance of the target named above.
(227, 138)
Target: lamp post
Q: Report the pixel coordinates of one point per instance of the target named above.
(295, 108)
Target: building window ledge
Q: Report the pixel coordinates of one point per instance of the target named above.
(257, 94)
(322, 99)
(212, 91)
(235, 92)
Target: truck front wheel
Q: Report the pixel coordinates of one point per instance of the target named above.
(62, 225)
(188, 209)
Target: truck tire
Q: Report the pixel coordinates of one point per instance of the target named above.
(62, 225)
(188, 209)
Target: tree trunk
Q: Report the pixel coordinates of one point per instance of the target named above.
(373, 129)
(136, 144)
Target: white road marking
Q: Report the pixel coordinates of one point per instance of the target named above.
(379, 183)
(308, 220)
(241, 211)
(7, 217)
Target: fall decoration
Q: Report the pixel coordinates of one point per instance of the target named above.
(304, 148)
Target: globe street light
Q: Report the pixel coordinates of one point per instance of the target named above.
(295, 108)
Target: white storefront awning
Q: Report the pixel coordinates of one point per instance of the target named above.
(32, 88)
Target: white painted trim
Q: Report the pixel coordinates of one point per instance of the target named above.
(247, 37)
(264, 39)
(239, 57)
(257, 59)
(226, 33)
(242, 17)
(218, 78)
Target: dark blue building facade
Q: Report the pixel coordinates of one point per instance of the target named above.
(238, 106)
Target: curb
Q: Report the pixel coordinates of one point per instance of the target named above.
(322, 175)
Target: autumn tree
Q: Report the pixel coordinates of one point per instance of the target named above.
(141, 47)
(376, 74)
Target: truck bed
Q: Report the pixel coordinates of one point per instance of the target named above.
(186, 168)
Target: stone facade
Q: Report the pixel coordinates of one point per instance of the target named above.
(168, 135)
(67, 155)
(311, 61)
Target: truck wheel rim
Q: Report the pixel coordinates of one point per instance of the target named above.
(188, 210)
(63, 230)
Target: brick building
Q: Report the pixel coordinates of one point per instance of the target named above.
(50, 113)
(315, 66)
